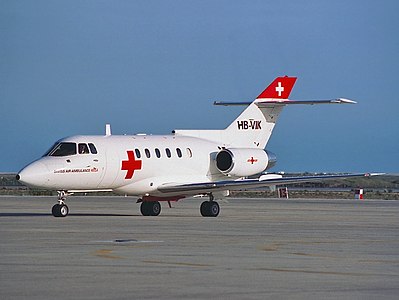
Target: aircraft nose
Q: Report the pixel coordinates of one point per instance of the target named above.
(36, 175)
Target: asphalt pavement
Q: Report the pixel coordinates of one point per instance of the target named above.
(255, 249)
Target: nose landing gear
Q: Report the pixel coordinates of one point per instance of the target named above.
(60, 209)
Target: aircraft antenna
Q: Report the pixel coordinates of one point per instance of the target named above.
(108, 129)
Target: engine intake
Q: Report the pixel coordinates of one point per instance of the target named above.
(244, 162)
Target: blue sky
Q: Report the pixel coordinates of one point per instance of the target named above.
(69, 67)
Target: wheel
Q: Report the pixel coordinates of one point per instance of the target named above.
(152, 208)
(155, 208)
(204, 209)
(64, 210)
(214, 209)
(145, 209)
(209, 209)
(56, 210)
(60, 210)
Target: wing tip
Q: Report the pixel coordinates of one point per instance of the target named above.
(345, 101)
(373, 174)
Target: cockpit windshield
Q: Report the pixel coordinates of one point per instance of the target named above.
(69, 148)
(62, 149)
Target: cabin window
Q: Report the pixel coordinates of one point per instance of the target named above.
(178, 151)
(157, 153)
(189, 153)
(138, 154)
(168, 153)
(63, 149)
(93, 149)
(83, 149)
(147, 153)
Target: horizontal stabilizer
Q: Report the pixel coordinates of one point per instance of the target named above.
(287, 102)
(225, 103)
(309, 102)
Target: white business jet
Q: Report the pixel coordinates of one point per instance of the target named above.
(168, 168)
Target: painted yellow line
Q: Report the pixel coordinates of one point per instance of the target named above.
(176, 263)
(106, 253)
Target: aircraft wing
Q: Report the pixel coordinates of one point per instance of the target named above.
(263, 181)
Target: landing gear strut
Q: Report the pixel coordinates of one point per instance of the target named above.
(60, 209)
(150, 208)
(210, 208)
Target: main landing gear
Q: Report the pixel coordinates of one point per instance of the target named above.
(60, 209)
(153, 208)
(210, 208)
(150, 208)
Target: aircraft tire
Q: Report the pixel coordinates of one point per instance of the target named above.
(144, 208)
(60, 210)
(204, 209)
(150, 208)
(56, 210)
(209, 209)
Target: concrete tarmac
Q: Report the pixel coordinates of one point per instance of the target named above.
(255, 249)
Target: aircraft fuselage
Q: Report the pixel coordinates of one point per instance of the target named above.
(132, 165)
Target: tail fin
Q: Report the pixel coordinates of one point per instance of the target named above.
(280, 88)
(254, 126)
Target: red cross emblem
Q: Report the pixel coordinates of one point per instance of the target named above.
(130, 165)
(252, 160)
